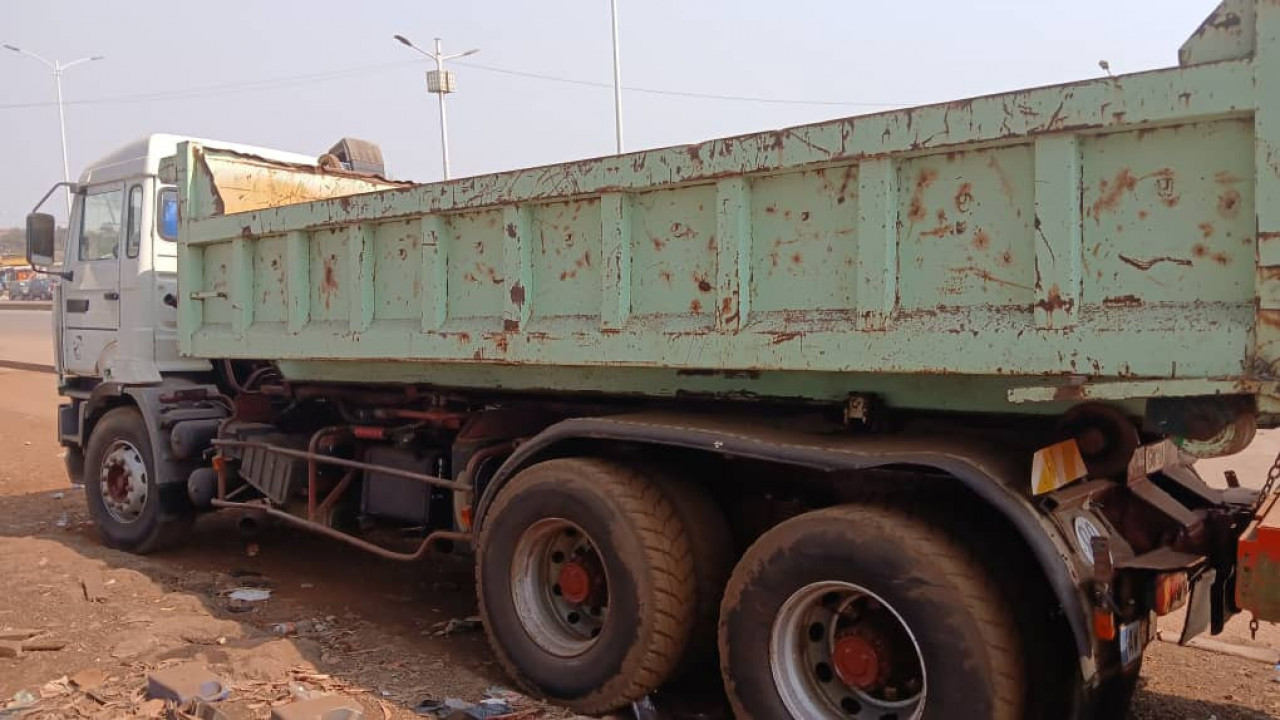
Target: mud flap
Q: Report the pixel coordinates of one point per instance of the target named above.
(1199, 607)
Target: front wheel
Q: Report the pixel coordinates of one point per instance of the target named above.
(860, 612)
(121, 485)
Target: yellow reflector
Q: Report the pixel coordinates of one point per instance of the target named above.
(1056, 466)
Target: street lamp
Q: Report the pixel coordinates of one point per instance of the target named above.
(441, 82)
(57, 68)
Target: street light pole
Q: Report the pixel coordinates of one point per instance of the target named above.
(57, 68)
(444, 119)
(617, 76)
(440, 82)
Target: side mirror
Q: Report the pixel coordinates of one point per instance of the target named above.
(40, 239)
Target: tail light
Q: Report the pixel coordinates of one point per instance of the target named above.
(1171, 592)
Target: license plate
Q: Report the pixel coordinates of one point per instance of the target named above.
(1132, 641)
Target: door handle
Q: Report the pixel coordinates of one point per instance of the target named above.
(111, 295)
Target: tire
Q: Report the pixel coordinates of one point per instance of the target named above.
(622, 642)
(120, 443)
(711, 542)
(940, 640)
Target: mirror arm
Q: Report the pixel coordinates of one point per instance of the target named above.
(75, 188)
(64, 274)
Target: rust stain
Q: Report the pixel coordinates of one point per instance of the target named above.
(782, 337)
(981, 240)
(329, 284)
(1270, 318)
(964, 196)
(1112, 191)
(517, 294)
(1206, 230)
(665, 275)
(1123, 300)
(1229, 204)
(986, 275)
(512, 231)
(1150, 263)
(510, 325)
(1201, 250)
(1069, 392)
(681, 231)
(695, 307)
(1006, 258)
(1142, 214)
(927, 177)
(1055, 302)
(703, 284)
(1005, 185)
(500, 343)
(796, 258)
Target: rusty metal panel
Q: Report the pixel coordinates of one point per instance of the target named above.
(1258, 578)
(804, 240)
(475, 277)
(966, 223)
(1169, 215)
(673, 270)
(397, 252)
(1116, 238)
(566, 259)
(269, 262)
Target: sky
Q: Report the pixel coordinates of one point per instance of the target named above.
(297, 75)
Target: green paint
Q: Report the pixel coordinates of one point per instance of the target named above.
(975, 255)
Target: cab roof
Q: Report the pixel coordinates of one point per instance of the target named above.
(143, 156)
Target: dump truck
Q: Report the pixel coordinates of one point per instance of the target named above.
(891, 416)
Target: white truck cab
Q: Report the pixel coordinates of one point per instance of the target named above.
(115, 314)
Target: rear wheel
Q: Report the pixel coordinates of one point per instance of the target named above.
(859, 612)
(586, 584)
(122, 488)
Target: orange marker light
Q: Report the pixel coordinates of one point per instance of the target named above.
(1104, 624)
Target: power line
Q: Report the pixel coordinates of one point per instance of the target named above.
(293, 80)
(674, 93)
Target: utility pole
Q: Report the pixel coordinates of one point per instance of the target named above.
(441, 82)
(617, 76)
(57, 68)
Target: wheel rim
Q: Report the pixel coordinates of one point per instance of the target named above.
(838, 650)
(123, 481)
(560, 587)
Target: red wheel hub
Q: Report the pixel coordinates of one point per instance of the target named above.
(575, 582)
(117, 483)
(857, 662)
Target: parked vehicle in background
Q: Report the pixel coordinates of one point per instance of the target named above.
(37, 288)
(886, 416)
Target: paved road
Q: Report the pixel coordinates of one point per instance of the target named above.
(26, 336)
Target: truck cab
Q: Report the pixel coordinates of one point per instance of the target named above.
(115, 315)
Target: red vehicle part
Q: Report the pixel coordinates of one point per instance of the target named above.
(1258, 581)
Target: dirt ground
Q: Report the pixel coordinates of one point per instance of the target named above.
(371, 629)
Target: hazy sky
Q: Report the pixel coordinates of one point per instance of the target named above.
(298, 75)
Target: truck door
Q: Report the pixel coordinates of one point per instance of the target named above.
(91, 298)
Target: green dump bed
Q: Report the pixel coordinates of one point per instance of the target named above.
(1116, 239)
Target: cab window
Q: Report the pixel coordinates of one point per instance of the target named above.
(100, 224)
(167, 218)
(133, 238)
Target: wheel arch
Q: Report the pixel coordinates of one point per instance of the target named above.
(982, 469)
